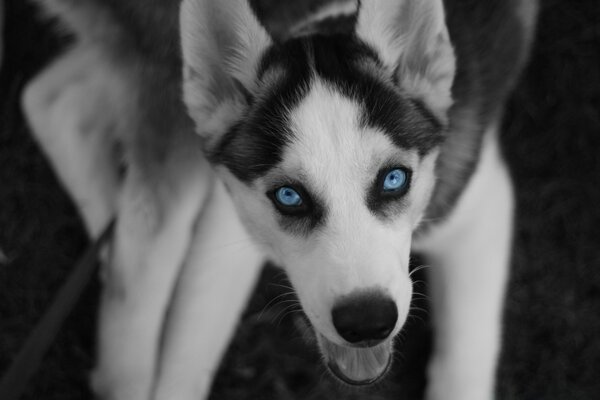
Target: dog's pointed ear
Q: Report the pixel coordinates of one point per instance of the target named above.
(412, 39)
(222, 43)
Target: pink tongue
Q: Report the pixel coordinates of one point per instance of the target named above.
(357, 366)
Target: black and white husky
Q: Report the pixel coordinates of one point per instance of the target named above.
(333, 156)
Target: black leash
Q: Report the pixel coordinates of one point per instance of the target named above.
(29, 358)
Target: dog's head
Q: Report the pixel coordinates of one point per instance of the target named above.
(327, 145)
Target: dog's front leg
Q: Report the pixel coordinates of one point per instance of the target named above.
(157, 210)
(218, 275)
(469, 254)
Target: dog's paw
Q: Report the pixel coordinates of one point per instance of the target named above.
(107, 386)
(452, 381)
(100, 386)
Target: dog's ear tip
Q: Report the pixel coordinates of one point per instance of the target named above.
(317, 17)
(221, 47)
(413, 39)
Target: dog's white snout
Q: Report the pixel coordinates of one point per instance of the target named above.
(365, 318)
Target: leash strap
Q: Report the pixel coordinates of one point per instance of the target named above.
(30, 356)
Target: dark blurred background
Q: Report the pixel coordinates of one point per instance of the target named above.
(552, 320)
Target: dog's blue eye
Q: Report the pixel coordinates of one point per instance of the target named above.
(394, 180)
(286, 196)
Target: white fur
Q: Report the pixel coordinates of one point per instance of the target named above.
(151, 242)
(469, 254)
(155, 222)
(218, 275)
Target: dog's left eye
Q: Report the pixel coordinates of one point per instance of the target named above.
(291, 200)
(395, 180)
(288, 197)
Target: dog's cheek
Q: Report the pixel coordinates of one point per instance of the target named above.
(258, 216)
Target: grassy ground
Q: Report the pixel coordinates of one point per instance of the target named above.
(551, 337)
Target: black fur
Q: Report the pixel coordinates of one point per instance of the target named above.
(255, 144)
(338, 60)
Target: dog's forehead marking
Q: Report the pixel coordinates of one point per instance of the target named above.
(334, 154)
(329, 137)
(255, 145)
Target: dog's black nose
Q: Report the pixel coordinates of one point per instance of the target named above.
(366, 317)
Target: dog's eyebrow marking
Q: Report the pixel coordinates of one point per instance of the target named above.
(408, 125)
(255, 144)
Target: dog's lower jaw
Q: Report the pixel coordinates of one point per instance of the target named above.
(357, 366)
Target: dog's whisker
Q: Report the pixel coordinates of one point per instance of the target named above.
(419, 282)
(419, 309)
(279, 312)
(281, 286)
(420, 296)
(272, 301)
(288, 301)
(279, 275)
(413, 316)
(418, 268)
(294, 306)
(299, 309)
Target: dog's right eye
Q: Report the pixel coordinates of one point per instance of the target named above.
(290, 200)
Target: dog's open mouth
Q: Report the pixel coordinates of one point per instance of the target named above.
(357, 365)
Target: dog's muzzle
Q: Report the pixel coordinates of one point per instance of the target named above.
(357, 365)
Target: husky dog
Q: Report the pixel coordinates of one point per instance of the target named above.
(332, 156)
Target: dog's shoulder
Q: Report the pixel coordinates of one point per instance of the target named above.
(491, 40)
